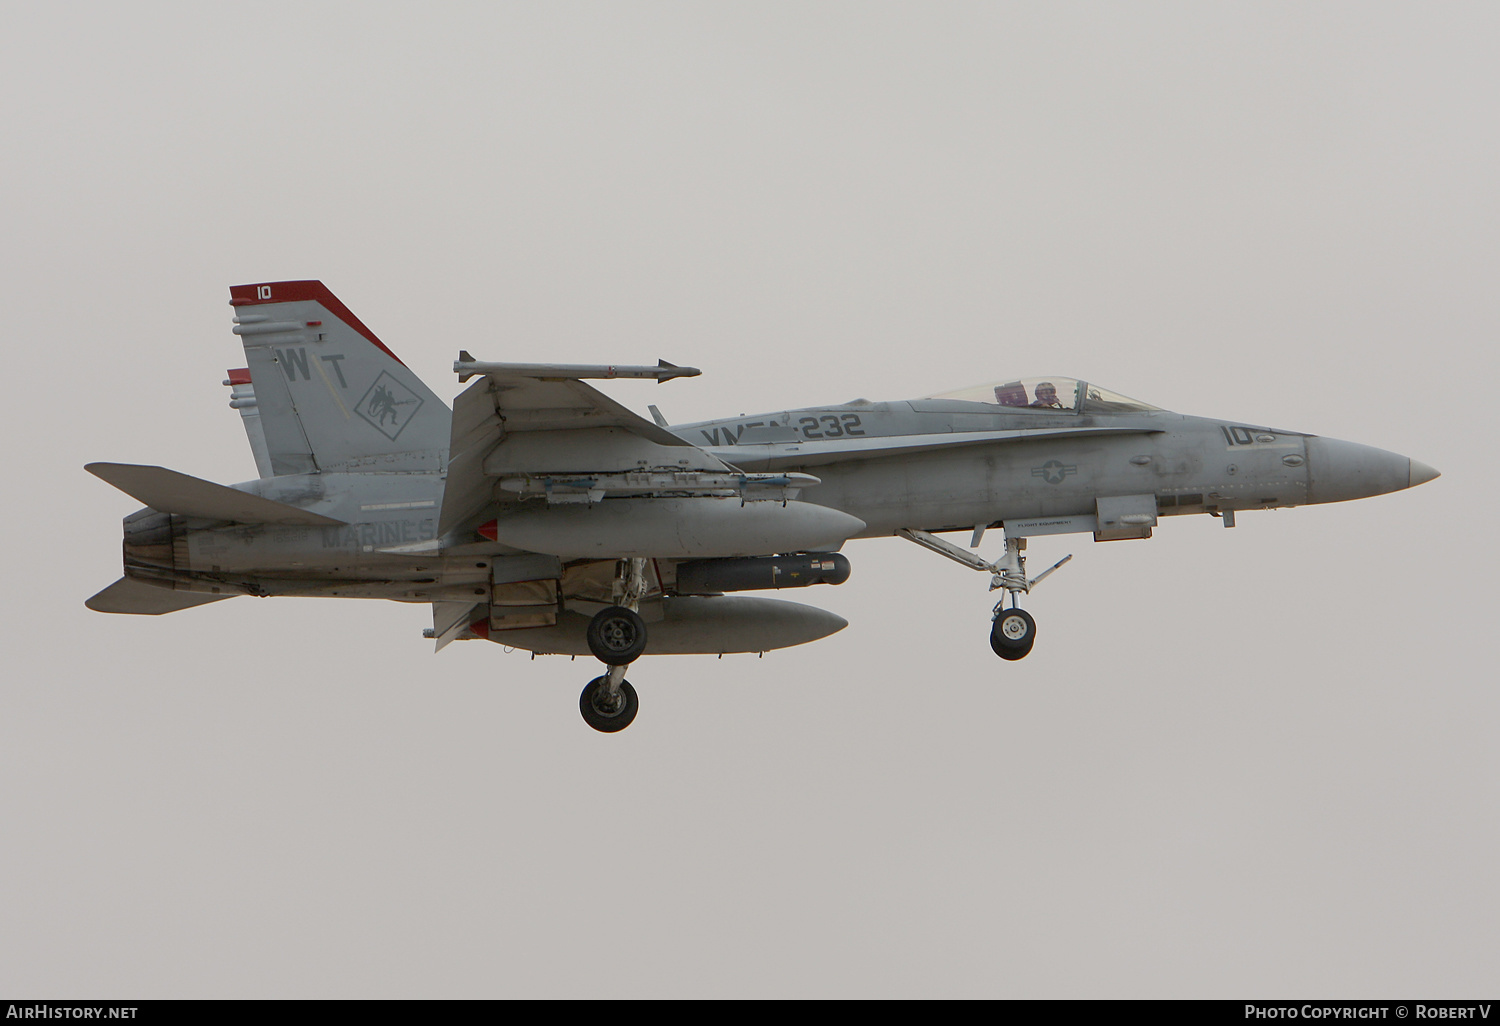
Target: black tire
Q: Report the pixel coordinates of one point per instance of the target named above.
(1012, 634)
(600, 717)
(1011, 654)
(617, 636)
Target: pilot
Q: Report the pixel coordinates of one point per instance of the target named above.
(1012, 393)
(1046, 396)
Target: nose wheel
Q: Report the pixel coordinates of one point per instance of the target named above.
(1013, 631)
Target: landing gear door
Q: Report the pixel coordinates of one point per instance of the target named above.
(524, 592)
(1125, 516)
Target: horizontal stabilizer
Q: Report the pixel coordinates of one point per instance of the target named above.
(128, 595)
(170, 492)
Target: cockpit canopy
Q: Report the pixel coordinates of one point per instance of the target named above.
(1066, 395)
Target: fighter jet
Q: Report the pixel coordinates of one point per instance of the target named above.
(543, 515)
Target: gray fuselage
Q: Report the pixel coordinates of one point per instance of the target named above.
(929, 464)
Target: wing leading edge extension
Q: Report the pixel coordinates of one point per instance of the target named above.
(798, 453)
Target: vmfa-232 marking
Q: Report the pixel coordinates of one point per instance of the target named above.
(541, 514)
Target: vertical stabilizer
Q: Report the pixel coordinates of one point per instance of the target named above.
(242, 398)
(330, 395)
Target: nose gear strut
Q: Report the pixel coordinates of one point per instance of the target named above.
(1013, 630)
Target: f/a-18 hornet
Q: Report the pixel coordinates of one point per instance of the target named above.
(541, 514)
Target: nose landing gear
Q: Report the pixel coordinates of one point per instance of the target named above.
(1013, 630)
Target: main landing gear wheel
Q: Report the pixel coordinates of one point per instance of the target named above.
(606, 714)
(1013, 634)
(617, 636)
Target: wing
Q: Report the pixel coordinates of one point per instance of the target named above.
(529, 426)
(524, 433)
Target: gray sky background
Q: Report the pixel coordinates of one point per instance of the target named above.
(1248, 762)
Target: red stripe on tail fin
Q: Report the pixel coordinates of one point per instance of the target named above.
(300, 291)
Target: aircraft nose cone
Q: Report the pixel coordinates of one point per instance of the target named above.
(1339, 471)
(1421, 473)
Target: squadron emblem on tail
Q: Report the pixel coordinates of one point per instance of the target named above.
(386, 404)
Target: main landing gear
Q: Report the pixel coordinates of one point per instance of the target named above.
(1013, 631)
(617, 637)
(607, 708)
